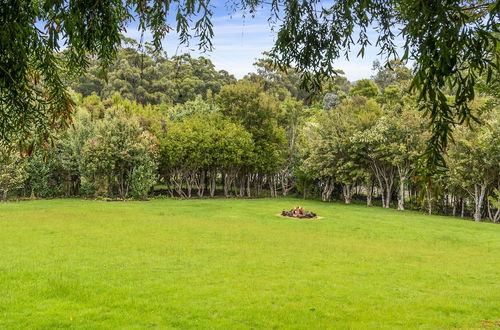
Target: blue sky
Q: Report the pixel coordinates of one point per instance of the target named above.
(239, 41)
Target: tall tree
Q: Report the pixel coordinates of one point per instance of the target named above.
(12, 171)
(475, 161)
(247, 104)
(404, 141)
(451, 42)
(119, 158)
(393, 73)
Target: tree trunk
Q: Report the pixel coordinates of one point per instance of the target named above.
(200, 183)
(494, 216)
(212, 183)
(479, 192)
(249, 181)
(286, 186)
(258, 184)
(188, 182)
(326, 195)
(347, 192)
(429, 201)
(226, 184)
(388, 196)
(462, 204)
(304, 195)
(242, 182)
(454, 208)
(4, 195)
(369, 195)
(178, 187)
(272, 187)
(401, 199)
(382, 195)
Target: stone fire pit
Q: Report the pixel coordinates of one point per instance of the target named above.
(299, 213)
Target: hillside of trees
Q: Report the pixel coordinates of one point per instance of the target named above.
(178, 127)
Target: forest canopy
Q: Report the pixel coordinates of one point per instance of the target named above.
(149, 131)
(454, 45)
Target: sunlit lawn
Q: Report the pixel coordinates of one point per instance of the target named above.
(234, 264)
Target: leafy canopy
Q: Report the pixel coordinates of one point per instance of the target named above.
(452, 42)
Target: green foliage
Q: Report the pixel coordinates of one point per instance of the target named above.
(246, 103)
(392, 73)
(200, 147)
(474, 160)
(45, 175)
(360, 111)
(256, 136)
(12, 170)
(364, 87)
(333, 155)
(143, 177)
(34, 99)
(195, 107)
(111, 158)
(146, 78)
(279, 83)
(451, 42)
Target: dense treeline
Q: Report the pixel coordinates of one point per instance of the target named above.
(146, 77)
(176, 126)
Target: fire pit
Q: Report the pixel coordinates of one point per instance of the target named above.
(299, 213)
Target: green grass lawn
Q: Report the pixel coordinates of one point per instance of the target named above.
(234, 264)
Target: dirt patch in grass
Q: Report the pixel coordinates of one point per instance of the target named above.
(315, 218)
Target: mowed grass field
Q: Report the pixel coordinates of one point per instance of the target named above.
(224, 264)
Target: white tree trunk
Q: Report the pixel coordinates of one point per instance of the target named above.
(479, 192)
(369, 194)
(382, 195)
(494, 216)
(401, 199)
(212, 183)
(403, 172)
(347, 192)
(326, 195)
(388, 195)
(454, 202)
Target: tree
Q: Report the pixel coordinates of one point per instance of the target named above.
(247, 104)
(475, 160)
(196, 150)
(196, 107)
(404, 142)
(393, 73)
(335, 154)
(318, 158)
(452, 43)
(291, 119)
(12, 171)
(331, 101)
(45, 174)
(277, 82)
(120, 159)
(150, 78)
(364, 87)
(375, 142)
(494, 203)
